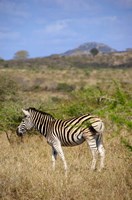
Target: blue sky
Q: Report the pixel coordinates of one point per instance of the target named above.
(45, 27)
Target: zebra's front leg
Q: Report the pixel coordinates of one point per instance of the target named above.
(58, 149)
(54, 157)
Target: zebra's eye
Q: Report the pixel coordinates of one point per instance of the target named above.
(23, 120)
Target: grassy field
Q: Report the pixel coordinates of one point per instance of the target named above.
(26, 167)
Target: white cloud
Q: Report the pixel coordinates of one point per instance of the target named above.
(56, 27)
(127, 3)
(75, 5)
(40, 21)
(124, 3)
(68, 28)
(5, 33)
(14, 8)
(106, 19)
(95, 21)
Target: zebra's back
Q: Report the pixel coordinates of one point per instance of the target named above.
(70, 132)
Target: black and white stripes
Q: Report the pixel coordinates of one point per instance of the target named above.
(70, 132)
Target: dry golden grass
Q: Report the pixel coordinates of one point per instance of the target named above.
(42, 84)
(26, 172)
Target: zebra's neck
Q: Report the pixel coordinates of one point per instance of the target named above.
(42, 122)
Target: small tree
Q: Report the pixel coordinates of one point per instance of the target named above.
(1, 59)
(94, 51)
(21, 55)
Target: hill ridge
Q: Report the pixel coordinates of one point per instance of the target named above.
(86, 48)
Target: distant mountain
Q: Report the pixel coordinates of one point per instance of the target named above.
(86, 48)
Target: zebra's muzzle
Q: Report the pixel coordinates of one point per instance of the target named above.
(19, 133)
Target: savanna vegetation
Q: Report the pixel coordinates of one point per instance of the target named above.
(65, 91)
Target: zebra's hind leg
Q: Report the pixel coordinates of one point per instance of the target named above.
(94, 161)
(91, 141)
(102, 155)
(101, 150)
(54, 156)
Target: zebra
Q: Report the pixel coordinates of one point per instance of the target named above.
(69, 132)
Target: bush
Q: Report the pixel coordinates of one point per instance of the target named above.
(94, 51)
(9, 116)
(8, 89)
(64, 87)
(81, 102)
(8, 103)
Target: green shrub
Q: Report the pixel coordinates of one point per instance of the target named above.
(8, 89)
(9, 116)
(120, 95)
(64, 87)
(127, 144)
(81, 102)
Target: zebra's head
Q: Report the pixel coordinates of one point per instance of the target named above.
(26, 123)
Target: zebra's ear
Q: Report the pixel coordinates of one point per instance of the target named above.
(26, 112)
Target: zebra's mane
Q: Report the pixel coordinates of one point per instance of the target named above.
(39, 111)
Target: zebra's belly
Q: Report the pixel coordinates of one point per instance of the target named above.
(69, 142)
